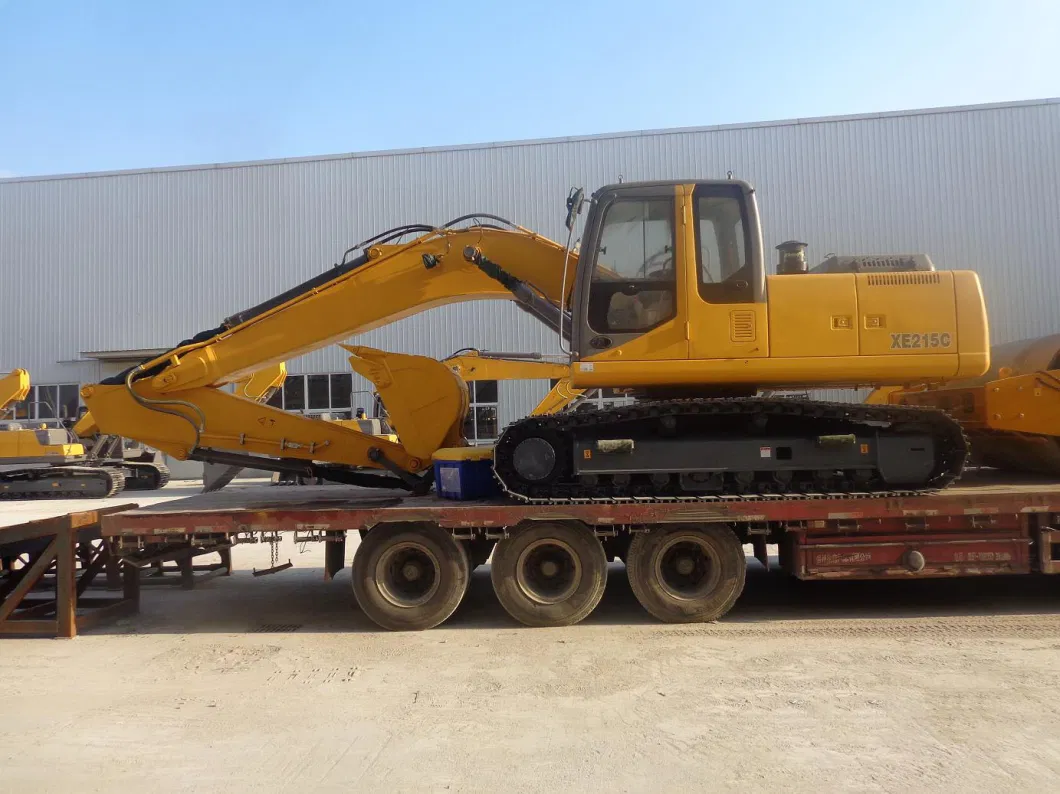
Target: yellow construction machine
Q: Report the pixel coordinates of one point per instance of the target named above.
(39, 460)
(1011, 414)
(667, 296)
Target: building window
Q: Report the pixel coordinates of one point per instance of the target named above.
(49, 401)
(317, 390)
(316, 394)
(342, 391)
(480, 424)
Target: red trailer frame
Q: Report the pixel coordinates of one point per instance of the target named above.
(985, 526)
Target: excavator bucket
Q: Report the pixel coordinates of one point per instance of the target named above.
(425, 399)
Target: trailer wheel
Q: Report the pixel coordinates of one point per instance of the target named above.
(548, 574)
(686, 574)
(408, 577)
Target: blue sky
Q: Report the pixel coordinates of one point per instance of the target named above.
(96, 85)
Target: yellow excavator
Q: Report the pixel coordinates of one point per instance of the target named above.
(1011, 414)
(42, 461)
(667, 297)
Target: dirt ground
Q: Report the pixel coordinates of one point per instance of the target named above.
(280, 684)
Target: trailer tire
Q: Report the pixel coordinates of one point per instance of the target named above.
(409, 577)
(686, 574)
(549, 574)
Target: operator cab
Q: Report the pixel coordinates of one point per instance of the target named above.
(640, 260)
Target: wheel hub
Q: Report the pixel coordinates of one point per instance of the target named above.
(687, 568)
(408, 575)
(412, 571)
(685, 565)
(548, 571)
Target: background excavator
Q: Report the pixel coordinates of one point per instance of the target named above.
(1011, 414)
(668, 297)
(41, 461)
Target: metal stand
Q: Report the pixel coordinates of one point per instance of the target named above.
(48, 566)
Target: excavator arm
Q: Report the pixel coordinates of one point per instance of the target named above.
(174, 402)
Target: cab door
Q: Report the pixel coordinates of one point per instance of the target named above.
(727, 317)
(629, 305)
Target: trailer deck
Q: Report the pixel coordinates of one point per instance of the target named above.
(984, 525)
(336, 507)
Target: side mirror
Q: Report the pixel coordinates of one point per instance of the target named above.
(574, 206)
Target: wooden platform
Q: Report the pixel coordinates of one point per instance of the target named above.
(46, 569)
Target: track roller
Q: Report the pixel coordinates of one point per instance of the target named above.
(686, 574)
(549, 574)
(408, 577)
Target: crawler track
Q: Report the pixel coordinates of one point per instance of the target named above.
(741, 419)
(62, 482)
(146, 476)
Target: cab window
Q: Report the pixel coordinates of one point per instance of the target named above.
(634, 280)
(721, 248)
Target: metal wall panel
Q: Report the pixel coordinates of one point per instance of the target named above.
(144, 259)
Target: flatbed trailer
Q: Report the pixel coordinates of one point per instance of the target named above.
(416, 553)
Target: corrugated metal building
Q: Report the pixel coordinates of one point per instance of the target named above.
(97, 264)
